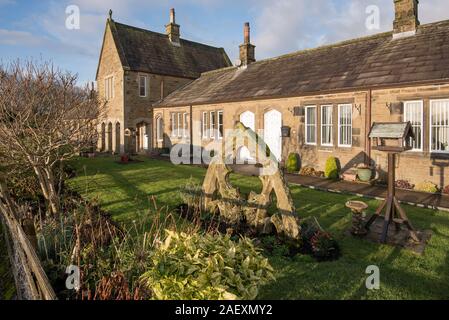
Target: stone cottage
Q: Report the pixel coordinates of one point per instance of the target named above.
(322, 102)
(138, 67)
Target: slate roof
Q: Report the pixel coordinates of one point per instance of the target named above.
(152, 52)
(370, 62)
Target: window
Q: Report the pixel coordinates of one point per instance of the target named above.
(180, 126)
(212, 124)
(439, 126)
(326, 125)
(109, 88)
(345, 125)
(311, 125)
(186, 125)
(220, 124)
(174, 125)
(179, 121)
(159, 129)
(413, 112)
(205, 124)
(143, 86)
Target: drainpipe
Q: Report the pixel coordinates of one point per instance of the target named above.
(368, 127)
(191, 132)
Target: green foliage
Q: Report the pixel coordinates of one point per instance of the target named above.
(293, 163)
(426, 186)
(207, 266)
(324, 247)
(331, 170)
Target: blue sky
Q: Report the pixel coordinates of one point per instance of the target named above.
(36, 29)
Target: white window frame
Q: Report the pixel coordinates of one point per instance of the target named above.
(205, 124)
(331, 125)
(340, 106)
(212, 124)
(185, 124)
(145, 85)
(180, 125)
(174, 130)
(159, 129)
(431, 126)
(220, 125)
(310, 125)
(421, 102)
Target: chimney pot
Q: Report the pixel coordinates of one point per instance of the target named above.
(246, 33)
(172, 15)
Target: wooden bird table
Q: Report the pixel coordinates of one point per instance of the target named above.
(393, 138)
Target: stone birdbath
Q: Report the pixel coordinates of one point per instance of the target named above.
(358, 223)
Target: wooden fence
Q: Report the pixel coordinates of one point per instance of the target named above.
(31, 281)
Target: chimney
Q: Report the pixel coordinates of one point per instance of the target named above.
(406, 18)
(247, 50)
(172, 29)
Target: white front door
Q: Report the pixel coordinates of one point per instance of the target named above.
(272, 132)
(248, 119)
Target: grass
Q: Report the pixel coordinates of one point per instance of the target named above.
(126, 191)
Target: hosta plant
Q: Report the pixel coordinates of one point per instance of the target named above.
(205, 266)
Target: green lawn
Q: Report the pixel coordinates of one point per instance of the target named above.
(125, 191)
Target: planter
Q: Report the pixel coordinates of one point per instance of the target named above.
(124, 158)
(364, 174)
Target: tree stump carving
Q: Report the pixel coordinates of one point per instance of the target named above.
(234, 208)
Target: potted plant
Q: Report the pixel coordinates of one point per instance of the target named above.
(124, 158)
(364, 172)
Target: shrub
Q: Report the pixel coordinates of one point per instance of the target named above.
(207, 266)
(293, 163)
(404, 184)
(331, 170)
(320, 244)
(426, 186)
(324, 247)
(446, 189)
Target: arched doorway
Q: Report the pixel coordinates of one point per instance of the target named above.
(142, 137)
(272, 132)
(248, 119)
(103, 137)
(117, 138)
(109, 138)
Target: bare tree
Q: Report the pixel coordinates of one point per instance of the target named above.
(45, 119)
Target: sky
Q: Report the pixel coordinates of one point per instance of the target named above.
(37, 29)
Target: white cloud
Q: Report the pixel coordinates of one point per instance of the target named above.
(19, 38)
(289, 25)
